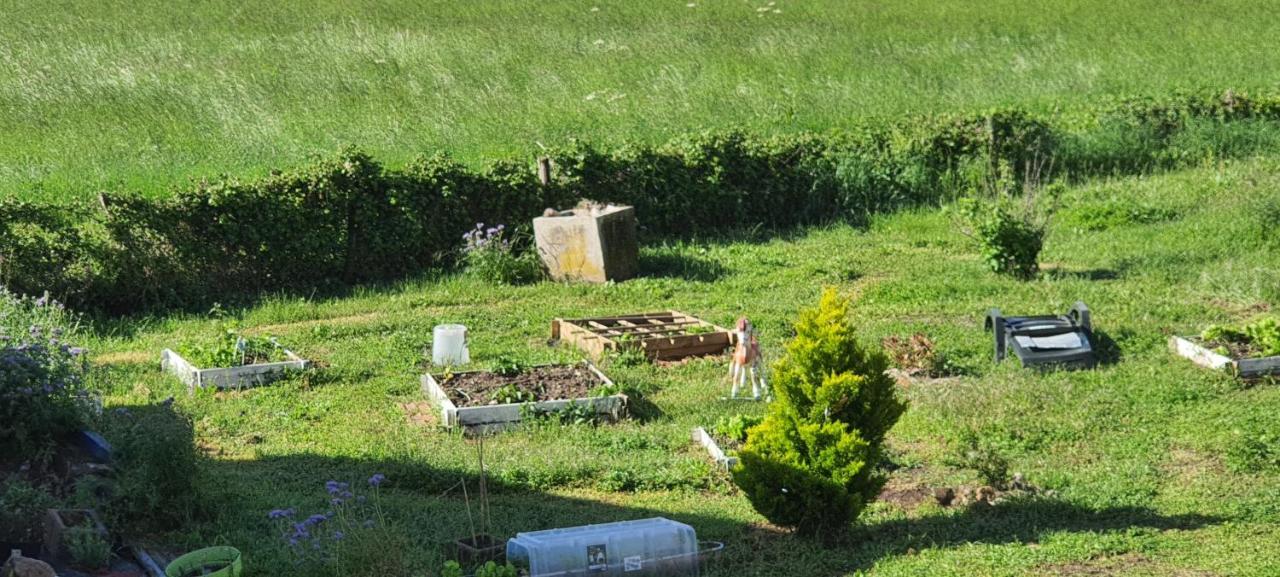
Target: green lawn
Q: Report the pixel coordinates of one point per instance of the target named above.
(1143, 453)
(147, 95)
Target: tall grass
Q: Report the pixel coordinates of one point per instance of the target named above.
(144, 95)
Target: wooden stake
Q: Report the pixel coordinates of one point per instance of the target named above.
(544, 170)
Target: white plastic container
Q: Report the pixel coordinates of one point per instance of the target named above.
(647, 547)
(449, 345)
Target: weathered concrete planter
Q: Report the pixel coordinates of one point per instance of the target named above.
(705, 439)
(1245, 368)
(58, 521)
(589, 245)
(231, 377)
(489, 418)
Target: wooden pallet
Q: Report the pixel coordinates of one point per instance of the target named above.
(661, 335)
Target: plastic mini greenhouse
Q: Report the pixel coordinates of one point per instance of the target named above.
(646, 547)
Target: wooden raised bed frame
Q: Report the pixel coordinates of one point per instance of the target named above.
(661, 336)
(1243, 368)
(244, 376)
(489, 418)
(702, 437)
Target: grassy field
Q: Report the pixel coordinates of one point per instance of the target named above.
(1144, 453)
(146, 95)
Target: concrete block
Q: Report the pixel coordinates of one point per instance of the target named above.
(589, 243)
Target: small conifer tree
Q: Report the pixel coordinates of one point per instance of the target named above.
(812, 464)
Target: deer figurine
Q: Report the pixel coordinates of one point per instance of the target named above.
(747, 365)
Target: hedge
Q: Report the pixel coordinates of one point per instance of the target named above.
(348, 219)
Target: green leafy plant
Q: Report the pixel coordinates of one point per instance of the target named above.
(1009, 217)
(86, 547)
(510, 394)
(1255, 448)
(509, 366)
(1260, 338)
(572, 413)
(489, 569)
(604, 390)
(22, 505)
(492, 569)
(735, 427)
(233, 348)
(977, 452)
(812, 464)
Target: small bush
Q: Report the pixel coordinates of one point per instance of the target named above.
(22, 506)
(158, 469)
(42, 394)
(489, 255)
(812, 464)
(87, 548)
(978, 452)
(1009, 226)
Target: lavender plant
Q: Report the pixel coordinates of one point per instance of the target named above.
(352, 536)
(42, 393)
(491, 255)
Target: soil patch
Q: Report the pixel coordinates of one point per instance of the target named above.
(550, 383)
(421, 413)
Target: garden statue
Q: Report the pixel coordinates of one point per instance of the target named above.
(747, 364)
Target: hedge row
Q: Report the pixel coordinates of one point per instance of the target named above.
(349, 220)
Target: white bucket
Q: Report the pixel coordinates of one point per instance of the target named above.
(449, 345)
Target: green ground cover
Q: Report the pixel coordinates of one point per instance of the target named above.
(1157, 466)
(147, 95)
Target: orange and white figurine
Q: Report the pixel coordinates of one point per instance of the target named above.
(747, 365)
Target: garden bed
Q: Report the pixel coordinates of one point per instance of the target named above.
(666, 335)
(240, 377)
(1237, 361)
(468, 400)
(713, 446)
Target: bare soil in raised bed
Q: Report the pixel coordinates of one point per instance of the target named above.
(1235, 351)
(546, 383)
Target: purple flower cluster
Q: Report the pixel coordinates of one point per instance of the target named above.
(482, 238)
(39, 368)
(348, 513)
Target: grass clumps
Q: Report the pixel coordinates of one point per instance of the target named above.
(812, 464)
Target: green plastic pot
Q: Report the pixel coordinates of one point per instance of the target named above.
(193, 564)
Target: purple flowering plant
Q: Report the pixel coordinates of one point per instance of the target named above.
(322, 540)
(490, 253)
(42, 377)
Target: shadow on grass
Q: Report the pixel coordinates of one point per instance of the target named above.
(671, 263)
(760, 551)
(1106, 348)
(427, 503)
